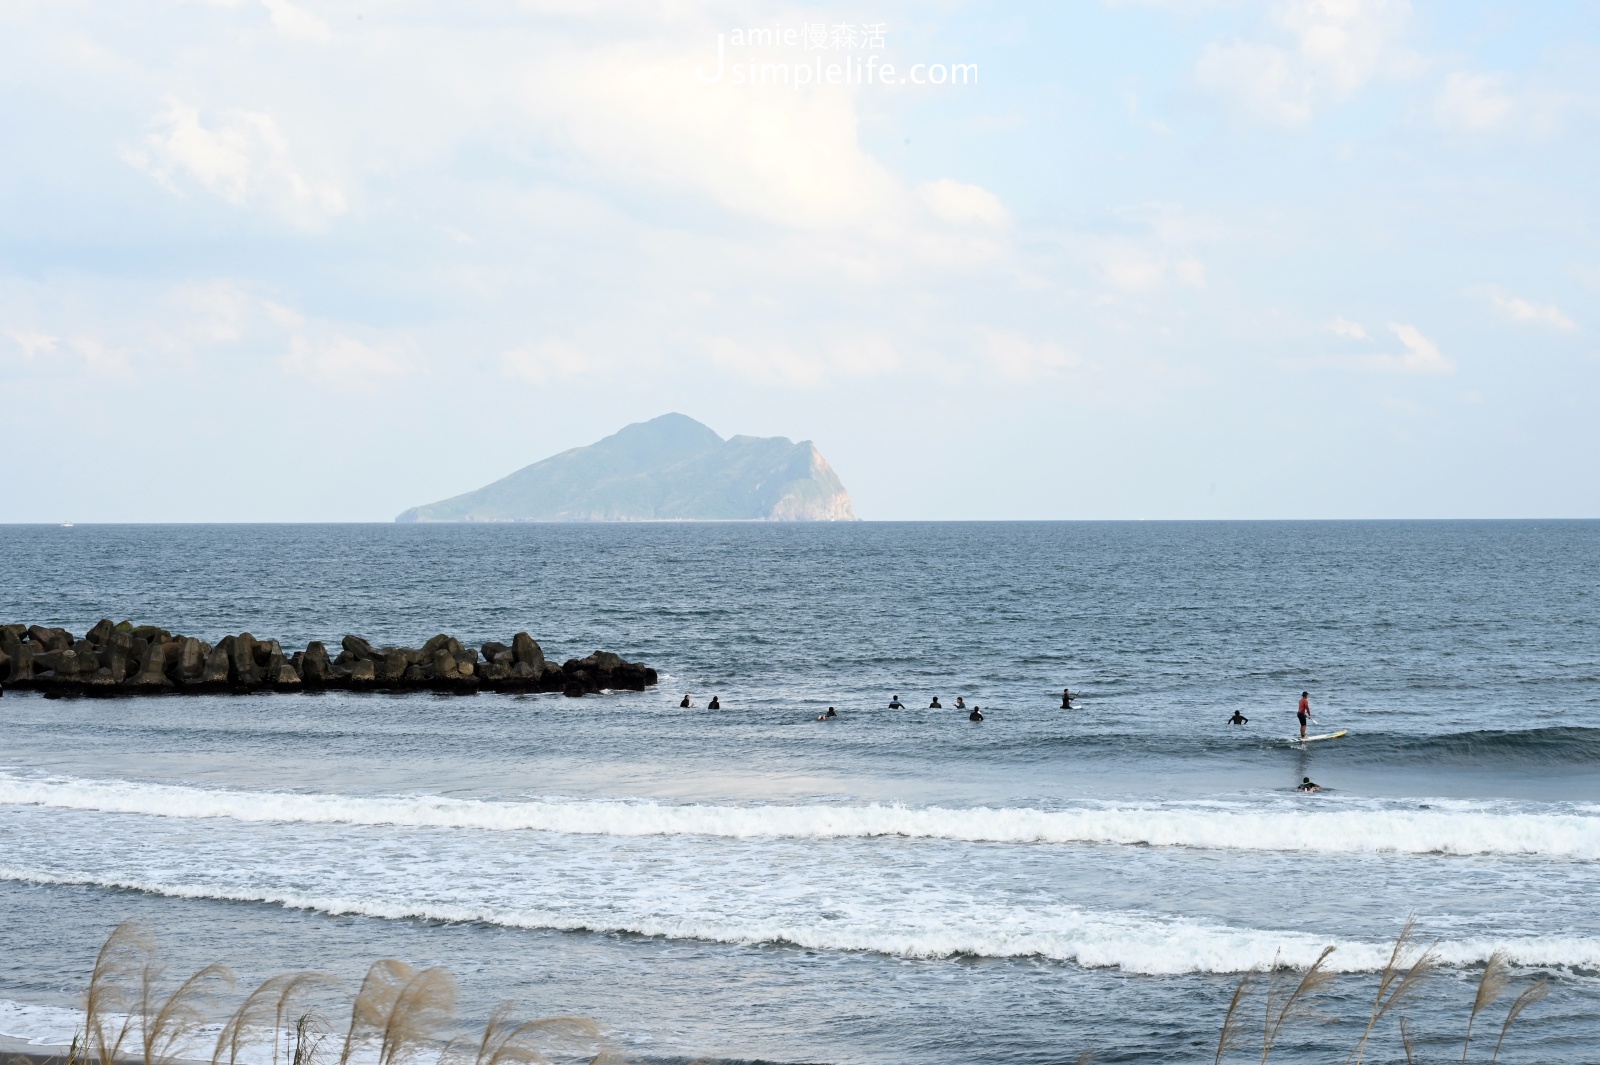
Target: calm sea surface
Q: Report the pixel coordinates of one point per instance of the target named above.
(892, 886)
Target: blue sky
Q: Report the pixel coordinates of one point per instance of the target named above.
(324, 261)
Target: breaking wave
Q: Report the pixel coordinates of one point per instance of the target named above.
(1131, 941)
(1447, 829)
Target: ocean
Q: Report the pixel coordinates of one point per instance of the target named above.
(752, 884)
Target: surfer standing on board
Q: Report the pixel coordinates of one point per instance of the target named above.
(1304, 712)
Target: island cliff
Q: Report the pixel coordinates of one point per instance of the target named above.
(669, 468)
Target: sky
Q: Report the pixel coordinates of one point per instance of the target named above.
(291, 260)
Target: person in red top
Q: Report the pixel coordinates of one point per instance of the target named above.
(1304, 712)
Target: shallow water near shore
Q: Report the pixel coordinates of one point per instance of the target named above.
(891, 886)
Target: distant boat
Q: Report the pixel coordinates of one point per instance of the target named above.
(66, 525)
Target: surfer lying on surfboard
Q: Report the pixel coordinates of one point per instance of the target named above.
(1306, 785)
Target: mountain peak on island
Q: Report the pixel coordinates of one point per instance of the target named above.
(670, 468)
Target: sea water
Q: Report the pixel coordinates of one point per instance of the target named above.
(890, 886)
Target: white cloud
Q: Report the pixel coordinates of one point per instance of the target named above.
(1521, 310)
(100, 359)
(1422, 355)
(243, 158)
(552, 360)
(342, 361)
(786, 157)
(1019, 358)
(867, 355)
(1130, 266)
(768, 364)
(864, 356)
(34, 344)
(1473, 103)
(962, 204)
(296, 22)
(1318, 52)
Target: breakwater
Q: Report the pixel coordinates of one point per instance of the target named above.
(120, 659)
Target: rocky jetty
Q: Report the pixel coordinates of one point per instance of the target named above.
(126, 659)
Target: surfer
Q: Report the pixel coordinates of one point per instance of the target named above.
(976, 715)
(714, 704)
(830, 715)
(1066, 698)
(687, 702)
(961, 704)
(1306, 785)
(1304, 712)
(896, 704)
(1238, 719)
(935, 704)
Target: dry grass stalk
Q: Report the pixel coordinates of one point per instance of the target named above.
(1233, 1024)
(1086, 1057)
(305, 1025)
(1397, 983)
(164, 1022)
(1283, 1008)
(374, 1001)
(1538, 991)
(507, 1042)
(398, 1006)
(122, 958)
(265, 1009)
(309, 1034)
(253, 1013)
(1405, 1041)
(551, 1039)
(1491, 985)
(421, 1013)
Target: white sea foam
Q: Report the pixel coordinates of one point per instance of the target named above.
(1134, 942)
(56, 1026)
(39, 1025)
(1456, 829)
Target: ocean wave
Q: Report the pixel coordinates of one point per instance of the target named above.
(1458, 829)
(1140, 943)
(1564, 744)
(1555, 745)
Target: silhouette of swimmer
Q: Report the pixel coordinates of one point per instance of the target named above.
(714, 704)
(1306, 785)
(896, 704)
(687, 702)
(1238, 719)
(976, 715)
(829, 715)
(1066, 698)
(935, 704)
(961, 704)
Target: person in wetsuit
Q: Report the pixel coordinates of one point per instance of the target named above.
(961, 703)
(1306, 785)
(714, 704)
(1066, 698)
(896, 704)
(687, 702)
(828, 716)
(1238, 719)
(976, 715)
(935, 704)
